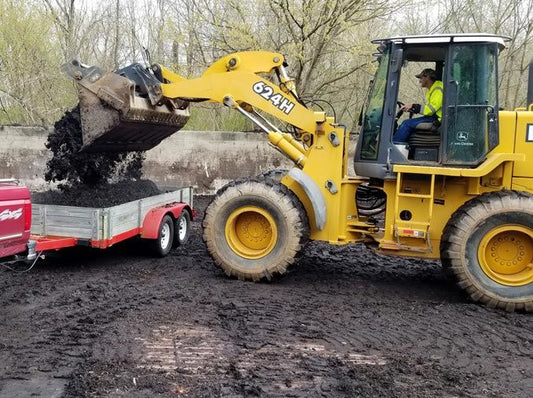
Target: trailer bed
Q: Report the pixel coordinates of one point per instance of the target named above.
(99, 227)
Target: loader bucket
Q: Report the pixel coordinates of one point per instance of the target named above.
(116, 117)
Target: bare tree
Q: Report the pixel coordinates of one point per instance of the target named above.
(512, 19)
(327, 43)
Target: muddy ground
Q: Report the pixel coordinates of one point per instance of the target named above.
(344, 323)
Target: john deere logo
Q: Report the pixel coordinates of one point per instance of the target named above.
(462, 136)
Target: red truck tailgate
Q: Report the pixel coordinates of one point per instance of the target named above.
(15, 217)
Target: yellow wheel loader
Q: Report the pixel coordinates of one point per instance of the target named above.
(460, 191)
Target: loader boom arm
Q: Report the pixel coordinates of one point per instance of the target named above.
(237, 76)
(134, 108)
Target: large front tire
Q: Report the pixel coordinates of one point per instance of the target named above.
(255, 228)
(488, 247)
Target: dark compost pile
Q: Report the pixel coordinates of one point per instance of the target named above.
(101, 195)
(90, 179)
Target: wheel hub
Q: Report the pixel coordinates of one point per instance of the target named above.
(506, 255)
(165, 235)
(251, 232)
(182, 228)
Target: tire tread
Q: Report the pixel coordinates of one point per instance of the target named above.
(294, 210)
(457, 231)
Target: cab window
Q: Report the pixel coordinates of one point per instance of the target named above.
(374, 111)
(472, 99)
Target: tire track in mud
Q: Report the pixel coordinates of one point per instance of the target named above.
(445, 335)
(311, 344)
(185, 348)
(263, 339)
(52, 325)
(277, 369)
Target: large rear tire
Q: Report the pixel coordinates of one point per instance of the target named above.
(488, 247)
(255, 228)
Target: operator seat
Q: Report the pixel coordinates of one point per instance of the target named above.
(424, 142)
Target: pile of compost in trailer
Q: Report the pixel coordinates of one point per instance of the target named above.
(90, 179)
(101, 195)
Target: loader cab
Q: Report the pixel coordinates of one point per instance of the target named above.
(468, 131)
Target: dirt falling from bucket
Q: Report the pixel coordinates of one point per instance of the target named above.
(90, 179)
(70, 167)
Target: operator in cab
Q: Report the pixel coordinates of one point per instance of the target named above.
(432, 111)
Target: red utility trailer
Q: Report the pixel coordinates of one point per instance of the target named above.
(27, 229)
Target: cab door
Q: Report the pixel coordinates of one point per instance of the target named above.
(375, 152)
(471, 104)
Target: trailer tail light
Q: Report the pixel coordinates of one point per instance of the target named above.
(27, 215)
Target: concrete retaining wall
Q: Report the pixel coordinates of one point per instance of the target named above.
(203, 159)
(23, 154)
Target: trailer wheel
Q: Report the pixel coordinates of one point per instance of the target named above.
(255, 228)
(182, 228)
(162, 245)
(488, 247)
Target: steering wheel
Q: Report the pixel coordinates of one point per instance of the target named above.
(401, 111)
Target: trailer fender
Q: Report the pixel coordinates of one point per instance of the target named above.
(150, 226)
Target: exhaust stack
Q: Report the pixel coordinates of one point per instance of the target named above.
(530, 86)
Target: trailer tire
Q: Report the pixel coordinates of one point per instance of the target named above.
(487, 246)
(162, 245)
(182, 229)
(255, 228)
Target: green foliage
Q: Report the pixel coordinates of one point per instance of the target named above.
(32, 90)
(214, 117)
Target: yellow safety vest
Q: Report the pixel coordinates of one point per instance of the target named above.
(433, 105)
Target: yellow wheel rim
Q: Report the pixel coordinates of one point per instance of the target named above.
(506, 255)
(251, 232)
